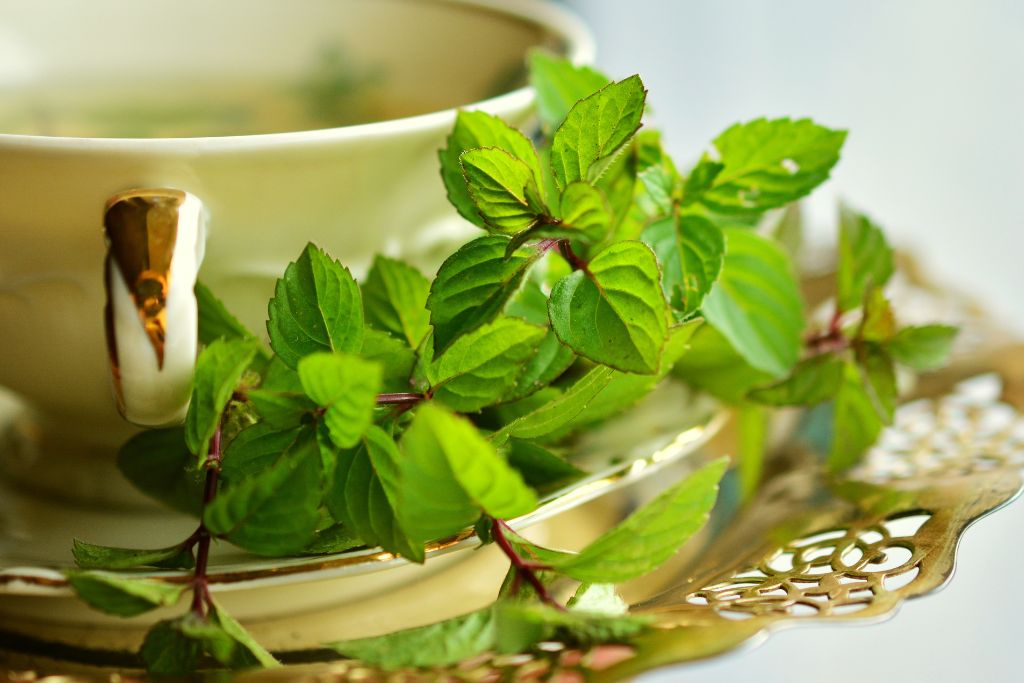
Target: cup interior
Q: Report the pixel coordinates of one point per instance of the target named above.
(186, 68)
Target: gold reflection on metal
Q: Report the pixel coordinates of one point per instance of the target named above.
(142, 228)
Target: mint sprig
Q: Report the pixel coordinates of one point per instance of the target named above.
(403, 410)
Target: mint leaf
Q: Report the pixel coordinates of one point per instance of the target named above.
(879, 380)
(395, 298)
(769, 163)
(856, 422)
(360, 499)
(347, 386)
(395, 359)
(545, 366)
(334, 539)
(274, 512)
(598, 598)
(657, 176)
(595, 129)
(865, 258)
(878, 323)
(167, 651)
(280, 410)
(519, 626)
(215, 320)
(158, 463)
(122, 596)
(480, 367)
(247, 652)
(691, 251)
(812, 381)
(559, 85)
(91, 556)
(554, 415)
(218, 371)
(614, 313)
(449, 473)
(503, 189)
(756, 303)
(649, 536)
(442, 644)
(316, 307)
(255, 449)
(712, 365)
(701, 178)
(585, 215)
(473, 286)
(923, 348)
(624, 389)
(474, 130)
(541, 469)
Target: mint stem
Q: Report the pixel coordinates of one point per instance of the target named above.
(525, 570)
(399, 398)
(201, 600)
(575, 260)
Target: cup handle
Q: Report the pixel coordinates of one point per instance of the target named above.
(155, 243)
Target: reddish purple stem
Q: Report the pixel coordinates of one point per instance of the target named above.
(525, 570)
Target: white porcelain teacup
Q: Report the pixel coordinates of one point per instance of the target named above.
(266, 126)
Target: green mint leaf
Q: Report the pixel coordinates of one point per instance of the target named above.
(856, 422)
(691, 251)
(545, 366)
(446, 460)
(122, 596)
(167, 651)
(614, 313)
(474, 285)
(159, 463)
(756, 303)
(479, 368)
(215, 320)
(541, 469)
(442, 644)
(255, 449)
(219, 369)
(923, 348)
(812, 381)
(395, 358)
(347, 386)
(789, 231)
(280, 410)
(585, 215)
(316, 307)
(395, 298)
(865, 258)
(880, 380)
(474, 130)
(274, 512)
(700, 180)
(595, 129)
(713, 366)
(364, 495)
(551, 417)
(334, 539)
(281, 378)
(559, 85)
(247, 652)
(649, 536)
(878, 323)
(520, 626)
(769, 163)
(91, 556)
(657, 176)
(503, 189)
(598, 598)
(625, 389)
(209, 636)
(618, 185)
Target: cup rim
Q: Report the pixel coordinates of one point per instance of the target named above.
(556, 20)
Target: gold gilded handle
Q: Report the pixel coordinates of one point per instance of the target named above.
(155, 244)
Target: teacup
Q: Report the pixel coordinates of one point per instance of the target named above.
(245, 131)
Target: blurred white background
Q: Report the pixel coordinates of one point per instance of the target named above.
(932, 92)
